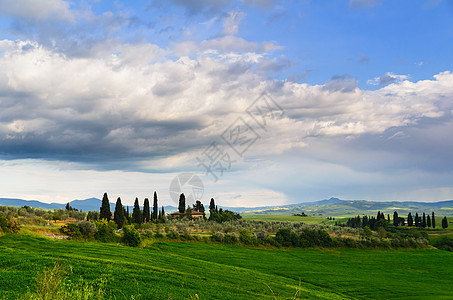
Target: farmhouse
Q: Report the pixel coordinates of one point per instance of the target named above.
(194, 214)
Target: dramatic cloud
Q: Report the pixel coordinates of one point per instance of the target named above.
(139, 91)
(137, 108)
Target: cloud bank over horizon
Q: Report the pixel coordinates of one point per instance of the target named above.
(137, 93)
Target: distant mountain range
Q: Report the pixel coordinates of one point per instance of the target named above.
(332, 207)
(85, 205)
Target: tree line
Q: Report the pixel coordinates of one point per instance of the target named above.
(122, 216)
(374, 223)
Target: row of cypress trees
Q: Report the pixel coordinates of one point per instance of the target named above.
(379, 221)
(139, 216)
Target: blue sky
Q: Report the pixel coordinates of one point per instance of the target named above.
(122, 96)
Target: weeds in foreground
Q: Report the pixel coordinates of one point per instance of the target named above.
(297, 295)
(54, 284)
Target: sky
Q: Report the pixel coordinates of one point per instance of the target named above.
(252, 102)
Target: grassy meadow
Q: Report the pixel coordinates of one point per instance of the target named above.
(189, 270)
(284, 218)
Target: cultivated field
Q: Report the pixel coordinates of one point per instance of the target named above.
(183, 270)
(282, 218)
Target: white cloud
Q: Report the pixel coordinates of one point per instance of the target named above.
(147, 107)
(231, 22)
(37, 10)
(388, 78)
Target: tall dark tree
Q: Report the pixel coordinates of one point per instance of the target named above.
(163, 212)
(198, 206)
(182, 203)
(417, 220)
(119, 216)
(428, 221)
(395, 219)
(388, 218)
(410, 221)
(128, 215)
(155, 207)
(136, 213)
(146, 214)
(444, 223)
(105, 212)
(212, 205)
(433, 220)
(424, 221)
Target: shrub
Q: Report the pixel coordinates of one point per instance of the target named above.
(444, 243)
(286, 238)
(219, 236)
(130, 236)
(173, 235)
(105, 231)
(147, 233)
(245, 236)
(88, 229)
(71, 230)
(9, 226)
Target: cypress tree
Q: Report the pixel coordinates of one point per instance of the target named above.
(388, 218)
(424, 221)
(155, 207)
(395, 219)
(118, 217)
(433, 221)
(417, 220)
(410, 221)
(146, 214)
(105, 212)
(428, 221)
(182, 203)
(136, 213)
(163, 212)
(212, 205)
(444, 223)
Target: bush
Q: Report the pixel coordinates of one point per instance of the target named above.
(245, 236)
(147, 233)
(130, 236)
(444, 243)
(105, 231)
(219, 236)
(88, 229)
(9, 226)
(173, 235)
(71, 230)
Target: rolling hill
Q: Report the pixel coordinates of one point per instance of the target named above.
(327, 207)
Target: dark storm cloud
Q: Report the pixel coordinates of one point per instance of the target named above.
(103, 142)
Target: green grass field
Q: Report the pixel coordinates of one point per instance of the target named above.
(277, 218)
(182, 270)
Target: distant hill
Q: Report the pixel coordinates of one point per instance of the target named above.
(327, 207)
(85, 205)
(338, 207)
